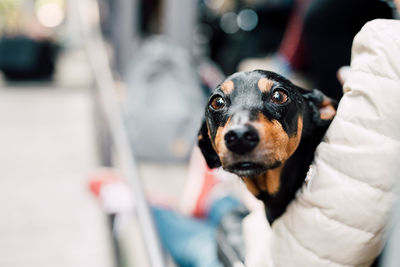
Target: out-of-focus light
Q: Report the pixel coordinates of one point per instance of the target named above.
(247, 19)
(228, 23)
(50, 14)
(214, 4)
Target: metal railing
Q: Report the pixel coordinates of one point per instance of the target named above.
(113, 115)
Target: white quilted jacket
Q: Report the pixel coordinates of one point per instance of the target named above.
(340, 218)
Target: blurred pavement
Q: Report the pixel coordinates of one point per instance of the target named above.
(49, 218)
(47, 141)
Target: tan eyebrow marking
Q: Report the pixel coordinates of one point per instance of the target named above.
(265, 85)
(227, 87)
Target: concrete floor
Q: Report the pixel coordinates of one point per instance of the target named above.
(47, 151)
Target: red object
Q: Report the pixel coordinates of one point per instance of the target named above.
(200, 209)
(292, 46)
(101, 178)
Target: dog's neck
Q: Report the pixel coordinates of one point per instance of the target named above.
(281, 184)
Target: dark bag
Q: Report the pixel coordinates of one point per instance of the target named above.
(22, 58)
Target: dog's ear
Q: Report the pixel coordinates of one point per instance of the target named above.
(322, 107)
(206, 147)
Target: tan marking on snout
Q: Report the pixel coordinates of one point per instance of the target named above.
(275, 140)
(265, 85)
(212, 140)
(227, 87)
(219, 142)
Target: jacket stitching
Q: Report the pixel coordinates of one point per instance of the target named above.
(313, 252)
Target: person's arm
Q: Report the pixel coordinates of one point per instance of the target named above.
(340, 217)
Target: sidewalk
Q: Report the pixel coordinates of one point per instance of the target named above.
(47, 151)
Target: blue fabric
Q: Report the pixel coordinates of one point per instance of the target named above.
(191, 241)
(221, 207)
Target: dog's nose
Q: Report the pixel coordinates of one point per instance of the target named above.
(241, 139)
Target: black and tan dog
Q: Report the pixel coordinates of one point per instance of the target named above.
(261, 127)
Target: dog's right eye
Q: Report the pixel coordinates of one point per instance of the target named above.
(217, 103)
(279, 97)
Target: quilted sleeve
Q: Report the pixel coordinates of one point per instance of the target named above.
(339, 218)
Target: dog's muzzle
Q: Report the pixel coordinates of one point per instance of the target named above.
(241, 139)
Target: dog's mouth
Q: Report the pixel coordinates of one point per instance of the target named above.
(247, 169)
(251, 169)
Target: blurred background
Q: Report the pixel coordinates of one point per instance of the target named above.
(90, 85)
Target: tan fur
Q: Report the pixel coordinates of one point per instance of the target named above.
(275, 145)
(295, 140)
(327, 113)
(273, 180)
(266, 182)
(251, 186)
(265, 85)
(326, 109)
(274, 139)
(219, 142)
(281, 146)
(227, 87)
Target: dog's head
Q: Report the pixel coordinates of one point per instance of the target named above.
(254, 122)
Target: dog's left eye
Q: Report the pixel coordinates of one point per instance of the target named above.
(217, 103)
(279, 97)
